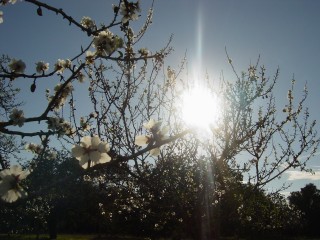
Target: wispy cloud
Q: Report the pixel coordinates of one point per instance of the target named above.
(298, 175)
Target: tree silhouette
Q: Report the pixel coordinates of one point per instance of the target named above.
(307, 200)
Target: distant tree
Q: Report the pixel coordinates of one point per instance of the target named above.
(9, 145)
(307, 201)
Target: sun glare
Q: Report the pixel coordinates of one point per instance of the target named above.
(200, 108)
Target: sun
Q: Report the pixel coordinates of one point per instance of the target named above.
(201, 107)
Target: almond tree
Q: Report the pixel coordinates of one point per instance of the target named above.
(133, 108)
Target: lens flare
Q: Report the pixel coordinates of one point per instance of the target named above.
(201, 107)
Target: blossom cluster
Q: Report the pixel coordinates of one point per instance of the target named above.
(17, 66)
(34, 148)
(87, 22)
(60, 125)
(61, 65)
(129, 11)
(10, 189)
(17, 117)
(42, 67)
(62, 94)
(106, 43)
(4, 2)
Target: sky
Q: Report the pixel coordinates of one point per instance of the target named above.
(284, 34)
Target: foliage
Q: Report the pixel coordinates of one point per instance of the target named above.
(307, 201)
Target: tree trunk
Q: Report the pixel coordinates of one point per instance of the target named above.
(52, 225)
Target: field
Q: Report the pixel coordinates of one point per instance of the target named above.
(96, 237)
(64, 237)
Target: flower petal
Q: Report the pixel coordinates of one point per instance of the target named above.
(142, 140)
(83, 159)
(104, 158)
(164, 131)
(77, 151)
(149, 125)
(85, 166)
(86, 141)
(4, 173)
(103, 147)
(24, 174)
(10, 196)
(4, 187)
(155, 152)
(95, 141)
(95, 156)
(15, 170)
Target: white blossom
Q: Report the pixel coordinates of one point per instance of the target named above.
(87, 22)
(63, 94)
(142, 140)
(129, 11)
(81, 77)
(144, 52)
(152, 125)
(34, 148)
(60, 66)
(171, 73)
(10, 190)
(84, 124)
(61, 126)
(42, 67)
(17, 66)
(158, 134)
(17, 116)
(91, 151)
(1, 17)
(106, 43)
(4, 2)
(90, 57)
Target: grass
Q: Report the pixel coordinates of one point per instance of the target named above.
(63, 237)
(90, 237)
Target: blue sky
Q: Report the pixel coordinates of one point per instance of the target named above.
(284, 33)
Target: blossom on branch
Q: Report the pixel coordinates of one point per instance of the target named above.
(106, 43)
(1, 17)
(34, 148)
(62, 93)
(90, 56)
(87, 22)
(61, 126)
(142, 140)
(157, 135)
(4, 2)
(91, 151)
(61, 65)
(42, 67)
(17, 66)
(17, 117)
(144, 52)
(10, 190)
(129, 11)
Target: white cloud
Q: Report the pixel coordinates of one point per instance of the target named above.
(298, 175)
(286, 193)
